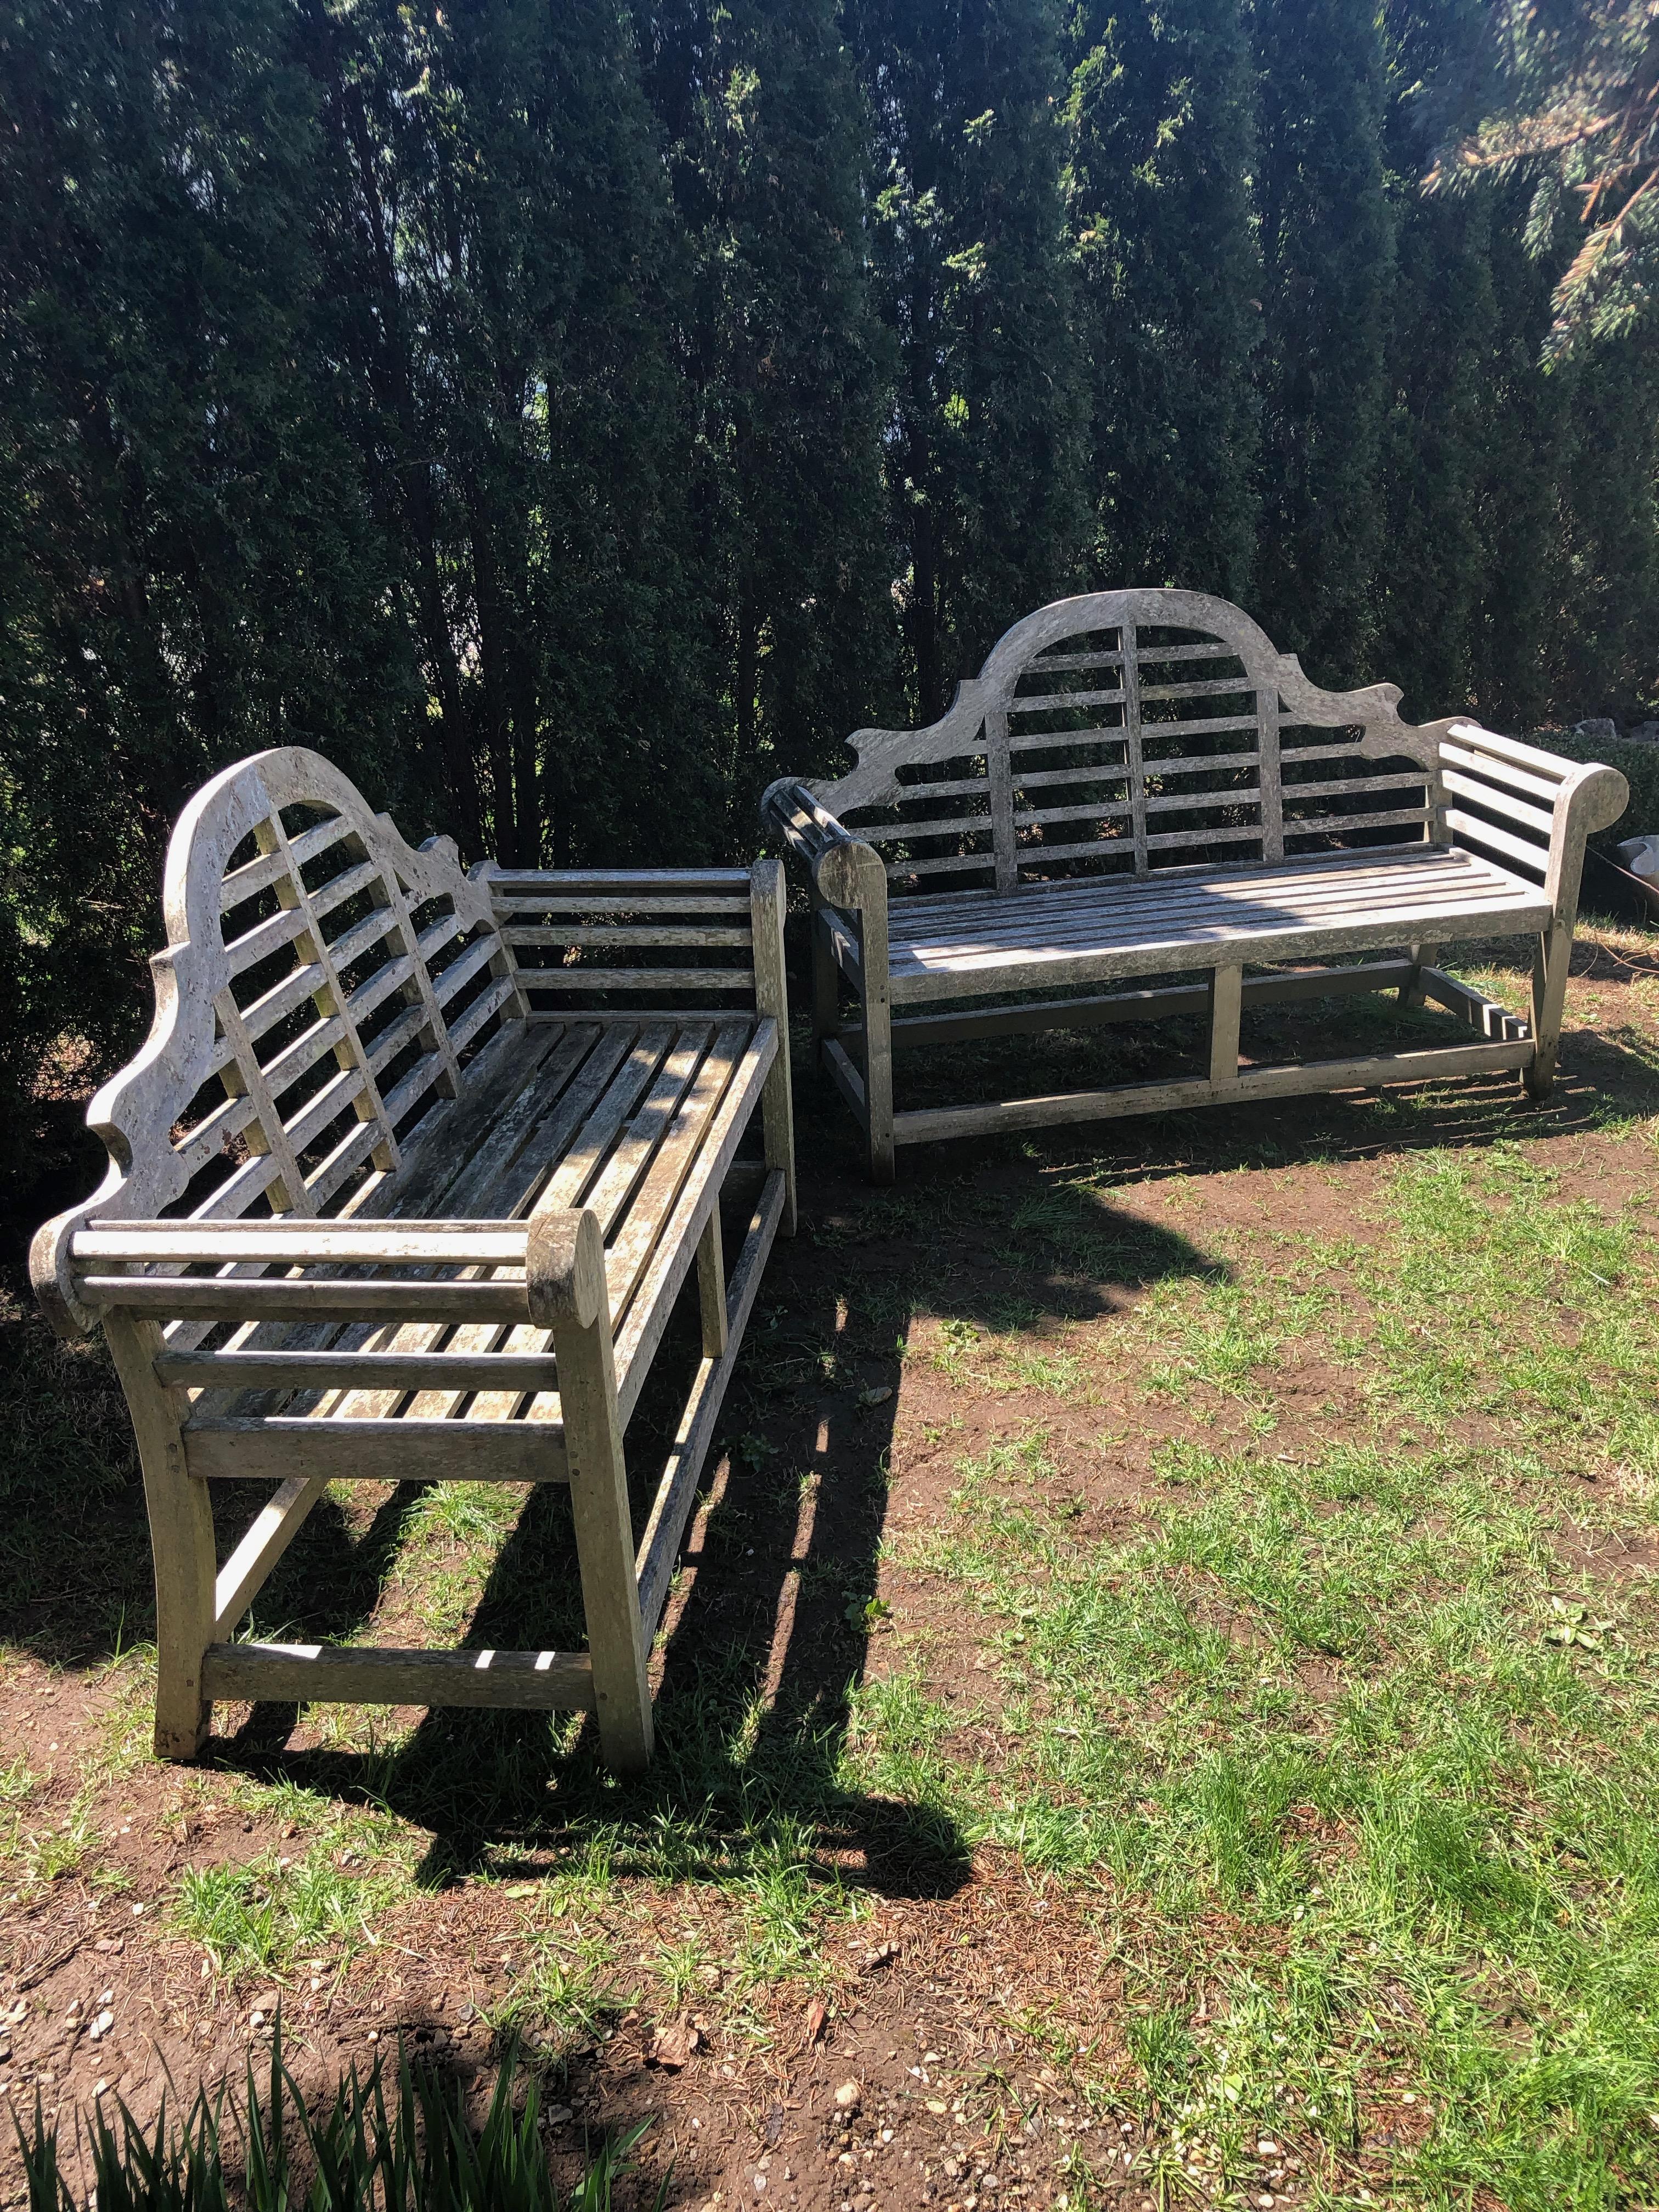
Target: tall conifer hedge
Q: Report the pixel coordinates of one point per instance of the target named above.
(570, 417)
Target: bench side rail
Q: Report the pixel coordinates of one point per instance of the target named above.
(602, 944)
(1528, 810)
(592, 942)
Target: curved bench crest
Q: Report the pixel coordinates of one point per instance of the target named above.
(320, 980)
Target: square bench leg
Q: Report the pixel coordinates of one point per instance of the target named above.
(598, 1492)
(181, 1540)
(711, 1288)
(826, 987)
(881, 1151)
(1551, 962)
(767, 896)
(1226, 1003)
(1422, 956)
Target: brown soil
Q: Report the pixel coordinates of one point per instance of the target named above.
(970, 2000)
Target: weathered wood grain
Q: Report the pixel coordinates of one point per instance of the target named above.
(1214, 815)
(363, 1292)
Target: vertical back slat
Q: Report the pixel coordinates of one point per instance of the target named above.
(1267, 772)
(999, 776)
(1137, 762)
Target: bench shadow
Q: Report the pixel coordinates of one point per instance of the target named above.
(754, 1681)
(767, 1655)
(768, 1650)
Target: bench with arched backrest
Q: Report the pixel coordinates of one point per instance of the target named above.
(1138, 784)
(403, 1187)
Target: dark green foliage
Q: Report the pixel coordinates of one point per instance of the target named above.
(789, 372)
(1169, 279)
(569, 417)
(185, 572)
(1571, 104)
(501, 231)
(1327, 252)
(985, 457)
(412, 2151)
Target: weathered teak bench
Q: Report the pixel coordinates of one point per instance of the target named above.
(404, 1187)
(1137, 784)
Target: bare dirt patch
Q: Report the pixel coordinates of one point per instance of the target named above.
(980, 2009)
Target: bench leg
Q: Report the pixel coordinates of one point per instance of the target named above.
(1226, 1002)
(766, 897)
(878, 1089)
(878, 1009)
(826, 990)
(1549, 996)
(711, 1287)
(181, 1538)
(605, 1540)
(1422, 956)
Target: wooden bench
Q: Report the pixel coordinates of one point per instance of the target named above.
(1137, 785)
(403, 1188)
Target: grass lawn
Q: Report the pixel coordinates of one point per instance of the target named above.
(1159, 1707)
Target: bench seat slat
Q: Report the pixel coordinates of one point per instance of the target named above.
(980, 944)
(377, 1371)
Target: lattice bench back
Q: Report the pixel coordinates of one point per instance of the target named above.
(321, 986)
(325, 986)
(1132, 731)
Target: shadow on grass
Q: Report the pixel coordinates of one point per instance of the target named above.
(756, 1768)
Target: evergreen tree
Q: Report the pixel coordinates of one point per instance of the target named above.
(506, 227)
(189, 572)
(1443, 358)
(1328, 248)
(1169, 302)
(985, 450)
(1573, 96)
(768, 150)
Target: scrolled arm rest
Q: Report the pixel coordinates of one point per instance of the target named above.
(845, 871)
(789, 811)
(1593, 797)
(1547, 805)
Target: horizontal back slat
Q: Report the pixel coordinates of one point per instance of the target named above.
(586, 940)
(1122, 710)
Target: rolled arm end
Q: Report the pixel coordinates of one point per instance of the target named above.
(1597, 795)
(564, 1268)
(846, 872)
(789, 810)
(50, 1279)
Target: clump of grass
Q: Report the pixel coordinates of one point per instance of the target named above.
(253, 1918)
(410, 2149)
(1331, 1704)
(561, 1994)
(47, 1854)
